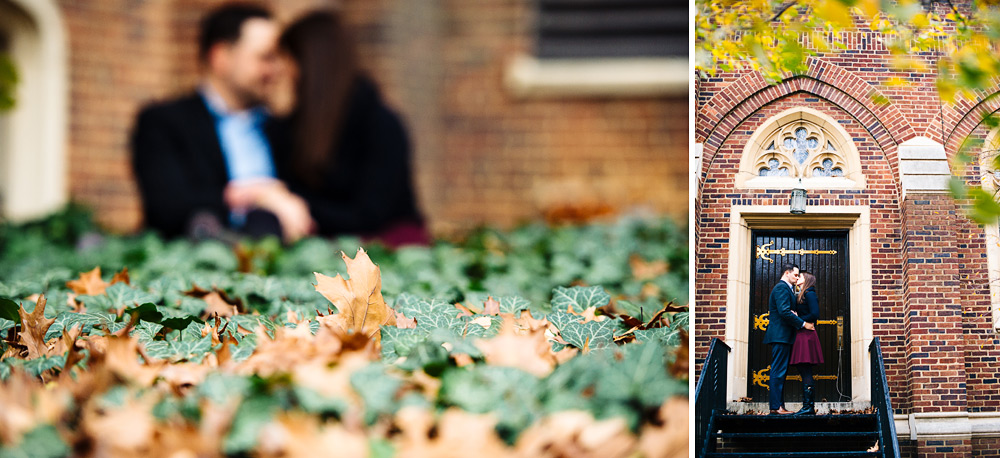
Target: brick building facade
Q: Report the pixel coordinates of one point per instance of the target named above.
(875, 160)
(484, 152)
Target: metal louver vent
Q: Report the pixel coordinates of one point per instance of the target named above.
(612, 28)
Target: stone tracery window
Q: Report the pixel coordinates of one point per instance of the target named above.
(800, 147)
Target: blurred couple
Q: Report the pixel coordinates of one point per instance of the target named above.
(284, 136)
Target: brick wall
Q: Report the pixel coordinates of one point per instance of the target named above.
(481, 156)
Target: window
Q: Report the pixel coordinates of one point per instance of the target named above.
(800, 144)
(605, 48)
(612, 28)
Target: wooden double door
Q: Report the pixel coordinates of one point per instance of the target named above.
(823, 254)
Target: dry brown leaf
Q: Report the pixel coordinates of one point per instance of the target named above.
(121, 277)
(297, 435)
(680, 368)
(491, 307)
(460, 434)
(217, 306)
(120, 431)
(669, 439)
(646, 270)
(34, 325)
(122, 359)
(360, 306)
(527, 350)
(405, 323)
(89, 283)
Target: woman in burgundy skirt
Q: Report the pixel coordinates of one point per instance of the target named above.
(806, 351)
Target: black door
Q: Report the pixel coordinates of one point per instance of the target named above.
(824, 254)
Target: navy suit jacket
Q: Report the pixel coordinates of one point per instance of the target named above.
(782, 323)
(178, 163)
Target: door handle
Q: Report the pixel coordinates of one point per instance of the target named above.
(840, 332)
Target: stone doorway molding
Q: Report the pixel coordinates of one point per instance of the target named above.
(857, 221)
(33, 160)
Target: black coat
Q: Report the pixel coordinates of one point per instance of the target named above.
(782, 323)
(808, 310)
(178, 163)
(368, 186)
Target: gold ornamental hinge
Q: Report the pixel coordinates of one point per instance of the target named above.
(763, 251)
(761, 321)
(761, 377)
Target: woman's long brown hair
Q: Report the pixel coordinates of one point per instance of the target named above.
(810, 280)
(324, 51)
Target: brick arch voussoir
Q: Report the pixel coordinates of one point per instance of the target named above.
(967, 115)
(729, 108)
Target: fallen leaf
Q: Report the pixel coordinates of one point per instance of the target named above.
(34, 325)
(405, 323)
(360, 306)
(89, 283)
(668, 439)
(121, 277)
(528, 351)
(217, 306)
(491, 307)
(646, 270)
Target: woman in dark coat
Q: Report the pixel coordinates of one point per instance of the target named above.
(806, 350)
(347, 154)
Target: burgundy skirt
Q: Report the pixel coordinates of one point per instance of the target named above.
(806, 349)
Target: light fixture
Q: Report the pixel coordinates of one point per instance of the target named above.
(797, 203)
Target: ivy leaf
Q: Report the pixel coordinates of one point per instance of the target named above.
(590, 334)
(253, 413)
(513, 304)
(9, 310)
(43, 441)
(377, 389)
(117, 297)
(146, 312)
(579, 298)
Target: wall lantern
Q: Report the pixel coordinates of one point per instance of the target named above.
(797, 203)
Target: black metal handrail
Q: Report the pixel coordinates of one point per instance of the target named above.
(883, 406)
(710, 394)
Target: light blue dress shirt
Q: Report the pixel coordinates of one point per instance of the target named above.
(244, 144)
(241, 135)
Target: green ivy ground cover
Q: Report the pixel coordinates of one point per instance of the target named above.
(616, 371)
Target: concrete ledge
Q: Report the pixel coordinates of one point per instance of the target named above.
(947, 425)
(527, 76)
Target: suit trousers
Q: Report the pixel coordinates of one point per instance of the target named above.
(780, 353)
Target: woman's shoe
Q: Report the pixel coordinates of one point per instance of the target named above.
(808, 404)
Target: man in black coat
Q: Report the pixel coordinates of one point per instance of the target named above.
(782, 324)
(204, 162)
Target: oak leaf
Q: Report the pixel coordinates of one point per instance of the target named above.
(34, 325)
(89, 283)
(527, 350)
(359, 302)
(668, 438)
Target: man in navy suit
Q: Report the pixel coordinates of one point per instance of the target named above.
(783, 323)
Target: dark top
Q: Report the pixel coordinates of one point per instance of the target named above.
(808, 310)
(367, 188)
(179, 165)
(782, 323)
